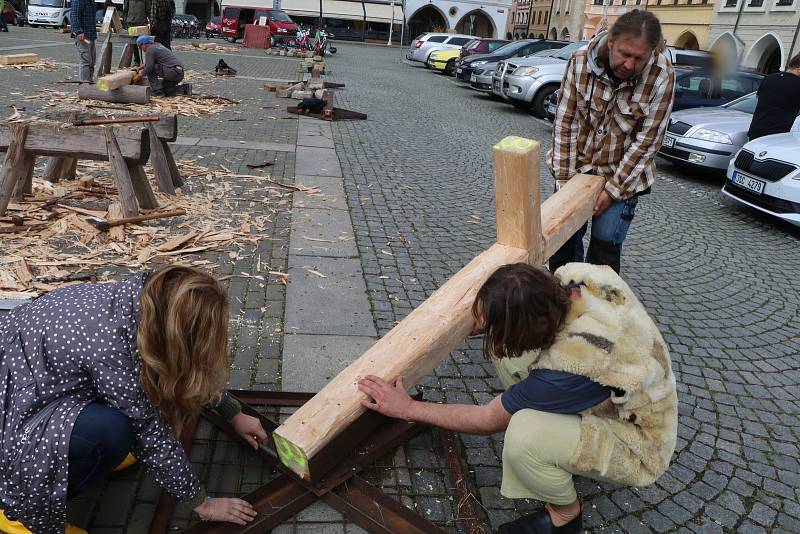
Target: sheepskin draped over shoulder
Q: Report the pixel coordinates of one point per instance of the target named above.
(609, 337)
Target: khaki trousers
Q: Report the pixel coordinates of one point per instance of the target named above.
(538, 446)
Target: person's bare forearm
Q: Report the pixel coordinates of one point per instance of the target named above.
(467, 418)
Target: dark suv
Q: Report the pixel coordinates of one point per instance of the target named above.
(520, 48)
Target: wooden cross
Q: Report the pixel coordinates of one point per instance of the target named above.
(527, 231)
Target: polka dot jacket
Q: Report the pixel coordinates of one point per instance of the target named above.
(70, 347)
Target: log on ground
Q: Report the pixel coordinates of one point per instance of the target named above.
(127, 94)
(109, 82)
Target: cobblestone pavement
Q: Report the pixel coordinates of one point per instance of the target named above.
(718, 279)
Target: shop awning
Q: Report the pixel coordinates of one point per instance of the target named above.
(383, 12)
(342, 9)
(301, 8)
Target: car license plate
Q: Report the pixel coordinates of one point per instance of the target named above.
(497, 86)
(473, 79)
(459, 70)
(669, 141)
(748, 182)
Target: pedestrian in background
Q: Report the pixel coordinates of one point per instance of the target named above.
(612, 114)
(3, 27)
(135, 12)
(778, 102)
(161, 13)
(82, 20)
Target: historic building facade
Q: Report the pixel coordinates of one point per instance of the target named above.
(566, 21)
(599, 15)
(684, 22)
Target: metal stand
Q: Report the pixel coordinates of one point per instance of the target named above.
(341, 488)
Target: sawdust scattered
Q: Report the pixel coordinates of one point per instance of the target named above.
(41, 65)
(187, 106)
(63, 247)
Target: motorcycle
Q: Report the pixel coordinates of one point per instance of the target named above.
(323, 43)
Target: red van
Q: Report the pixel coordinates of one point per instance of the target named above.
(234, 19)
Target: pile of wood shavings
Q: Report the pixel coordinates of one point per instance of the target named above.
(205, 47)
(42, 64)
(37, 260)
(188, 106)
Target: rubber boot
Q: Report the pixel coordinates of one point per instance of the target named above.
(126, 463)
(11, 527)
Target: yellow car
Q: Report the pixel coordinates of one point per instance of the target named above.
(445, 60)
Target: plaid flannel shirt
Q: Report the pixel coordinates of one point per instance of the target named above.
(162, 10)
(609, 129)
(82, 19)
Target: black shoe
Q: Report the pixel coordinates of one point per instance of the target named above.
(539, 522)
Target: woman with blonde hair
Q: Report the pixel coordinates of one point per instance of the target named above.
(91, 373)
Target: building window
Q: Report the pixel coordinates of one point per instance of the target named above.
(546, 16)
(598, 2)
(755, 3)
(785, 2)
(731, 3)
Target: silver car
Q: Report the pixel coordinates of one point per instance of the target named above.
(481, 78)
(707, 138)
(422, 46)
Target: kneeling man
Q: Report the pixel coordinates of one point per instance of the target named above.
(162, 69)
(589, 388)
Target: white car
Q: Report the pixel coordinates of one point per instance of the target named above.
(422, 46)
(765, 175)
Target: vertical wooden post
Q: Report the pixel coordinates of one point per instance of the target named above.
(59, 168)
(160, 163)
(24, 184)
(177, 179)
(127, 194)
(141, 186)
(103, 65)
(127, 56)
(518, 196)
(14, 167)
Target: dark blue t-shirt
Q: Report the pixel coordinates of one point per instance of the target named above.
(554, 392)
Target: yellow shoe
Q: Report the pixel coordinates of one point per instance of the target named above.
(72, 529)
(11, 527)
(126, 463)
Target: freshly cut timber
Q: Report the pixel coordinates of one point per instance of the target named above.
(139, 30)
(19, 59)
(417, 344)
(120, 78)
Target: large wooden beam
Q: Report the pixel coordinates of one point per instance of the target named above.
(122, 175)
(121, 78)
(85, 142)
(518, 196)
(412, 348)
(19, 59)
(127, 94)
(417, 344)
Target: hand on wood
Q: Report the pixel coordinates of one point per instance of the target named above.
(250, 429)
(229, 510)
(392, 401)
(80, 37)
(602, 203)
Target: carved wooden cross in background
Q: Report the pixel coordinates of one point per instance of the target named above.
(527, 231)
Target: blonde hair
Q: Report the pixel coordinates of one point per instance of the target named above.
(182, 342)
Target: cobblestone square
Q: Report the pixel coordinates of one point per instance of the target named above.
(412, 203)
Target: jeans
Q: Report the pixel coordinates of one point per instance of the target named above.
(86, 59)
(161, 31)
(3, 27)
(605, 245)
(101, 438)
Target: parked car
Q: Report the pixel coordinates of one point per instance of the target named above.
(9, 14)
(528, 82)
(444, 60)
(481, 45)
(707, 138)
(765, 175)
(422, 46)
(690, 58)
(698, 87)
(235, 18)
(520, 48)
(213, 27)
(54, 13)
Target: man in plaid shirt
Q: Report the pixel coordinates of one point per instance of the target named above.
(612, 113)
